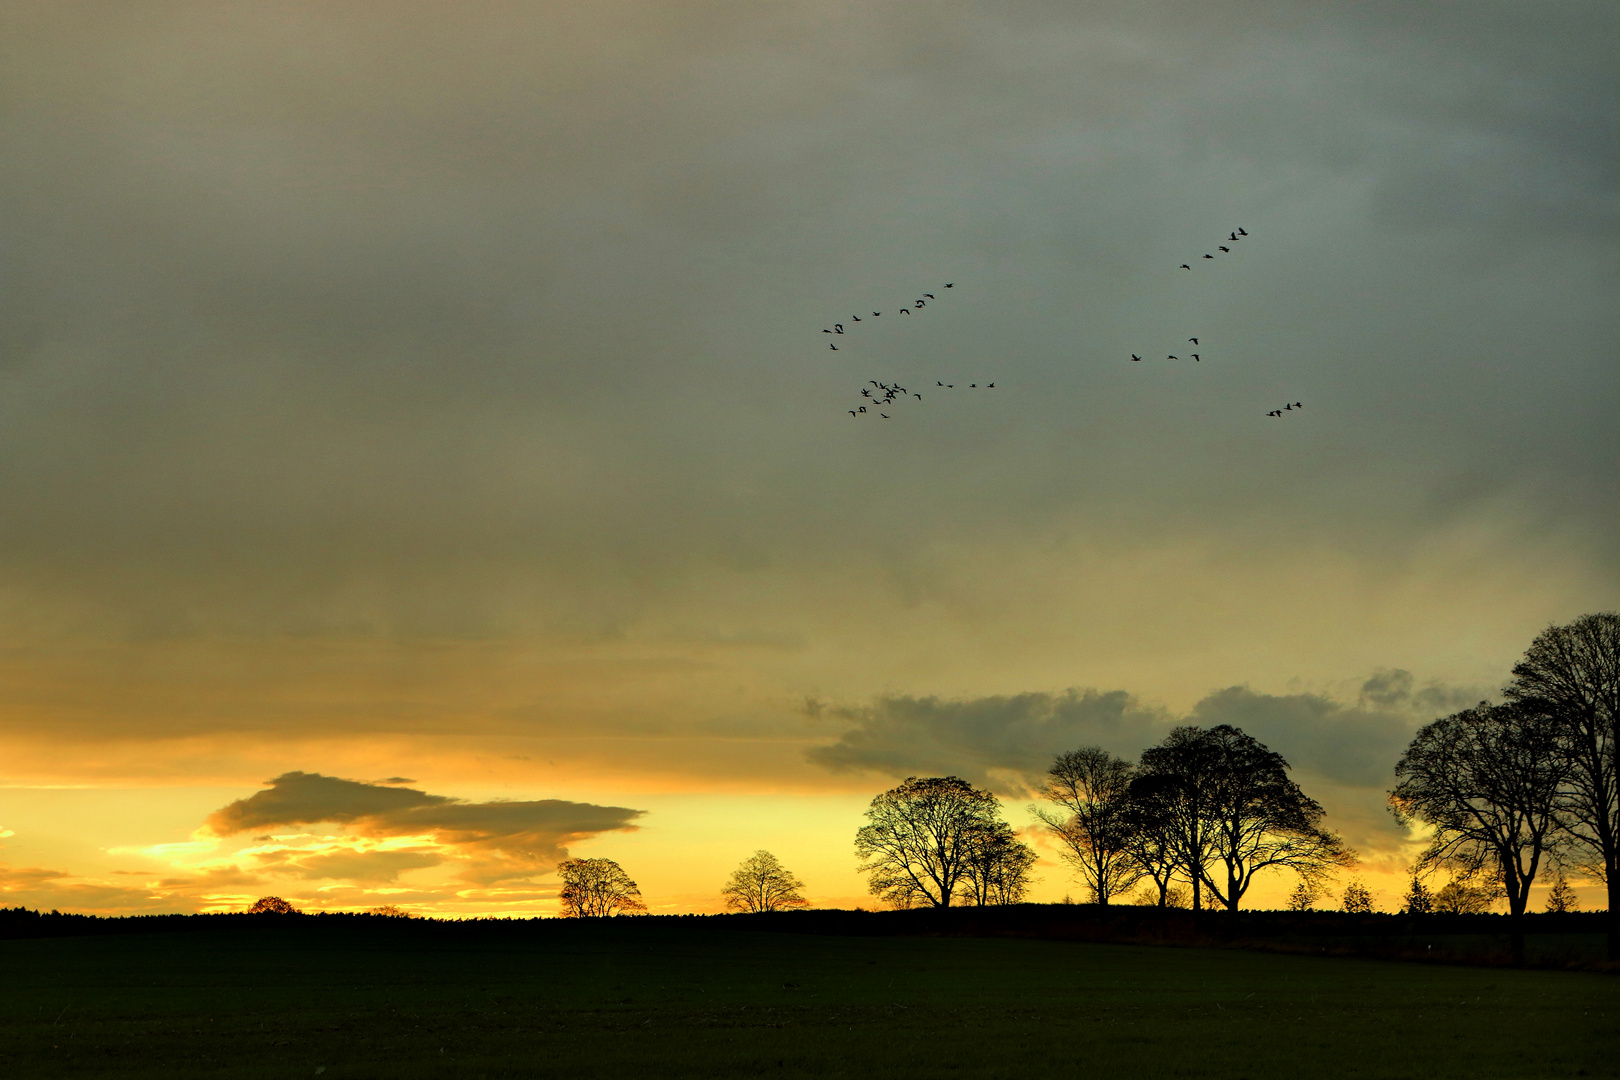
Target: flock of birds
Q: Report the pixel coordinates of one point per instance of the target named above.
(880, 395)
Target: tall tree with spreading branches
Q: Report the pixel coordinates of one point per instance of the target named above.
(762, 883)
(1090, 791)
(919, 836)
(1263, 821)
(1573, 673)
(1487, 781)
(597, 888)
(998, 867)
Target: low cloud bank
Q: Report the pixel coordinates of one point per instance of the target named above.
(1007, 742)
(495, 841)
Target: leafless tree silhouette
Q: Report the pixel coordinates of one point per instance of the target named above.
(1487, 780)
(919, 836)
(597, 888)
(762, 883)
(1573, 673)
(1092, 789)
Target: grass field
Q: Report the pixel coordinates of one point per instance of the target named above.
(655, 998)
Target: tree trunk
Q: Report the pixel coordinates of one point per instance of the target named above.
(1614, 915)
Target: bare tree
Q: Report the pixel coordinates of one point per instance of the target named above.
(1304, 897)
(1573, 673)
(762, 883)
(597, 888)
(1562, 898)
(919, 837)
(1170, 795)
(1148, 843)
(1092, 787)
(1465, 898)
(1224, 800)
(1264, 821)
(390, 911)
(1358, 899)
(1487, 781)
(998, 867)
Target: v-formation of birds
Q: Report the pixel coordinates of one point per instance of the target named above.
(879, 396)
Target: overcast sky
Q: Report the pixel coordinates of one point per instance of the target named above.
(438, 393)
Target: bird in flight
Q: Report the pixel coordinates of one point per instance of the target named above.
(857, 318)
(929, 295)
(1241, 232)
(838, 327)
(905, 311)
(1209, 256)
(884, 415)
(1184, 266)
(1195, 357)
(992, 386)
(852, 412)
(876, 313)
(1233, 237)
(1193, 340)
(1225, 249)
(834, 348)
(1135, 357)
(949, 285)
(1172, 358)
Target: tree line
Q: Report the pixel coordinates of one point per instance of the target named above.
(1504, 792)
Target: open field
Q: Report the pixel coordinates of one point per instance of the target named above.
(699, 998)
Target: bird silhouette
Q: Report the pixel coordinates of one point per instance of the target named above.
(929, 295)
(838, 327)
(834, 348)
(1135, 357)
(1209, 256)
(992, 386)
(1288, 408)
(1241, 232)
(1233, 237)
(1193, 340)
(938, 383)
(826, 331)
(1195, 357)
(852, 412)
(1226, 249)
(917, 396)
(1297, 405)
(857, 318)
(884, 415)
(1172, 358)
(973, 386)
(905, 311)
(863, 408)
(1184, 266)
(876, 313)
(949, 285)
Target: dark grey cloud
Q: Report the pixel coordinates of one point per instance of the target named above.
(1003, 742)
(520, 836)
(335, 322)
(1008, 741)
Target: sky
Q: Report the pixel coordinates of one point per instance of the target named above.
(421, 459)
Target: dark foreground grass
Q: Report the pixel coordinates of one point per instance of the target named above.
(656, 998)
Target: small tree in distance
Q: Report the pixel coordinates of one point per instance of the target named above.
(1461, 898)
(1418, 899)
(272, 905)
(1357, 899)
(596, 889)
(1561, 897)
(1303, 898)
(762, 883)
(390, 911)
